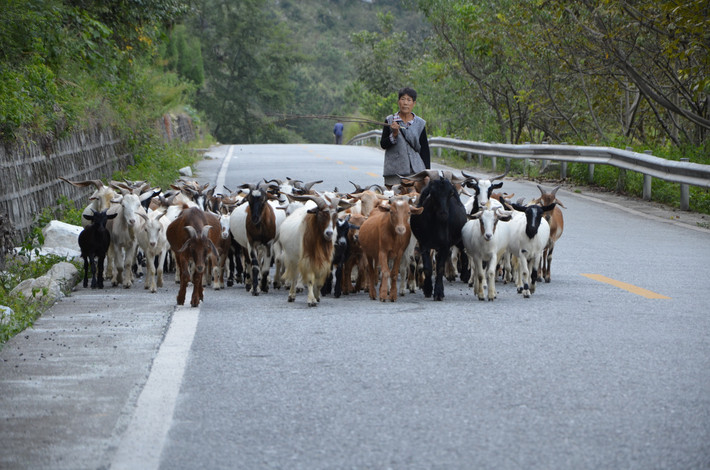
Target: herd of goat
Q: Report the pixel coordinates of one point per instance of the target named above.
(435, 224)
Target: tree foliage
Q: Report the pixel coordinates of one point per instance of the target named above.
(580, 71)
(67, 63)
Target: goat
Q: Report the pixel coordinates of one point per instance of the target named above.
(355, 257)
(484, 191)
(341, 253)
(94, 241)
(122, 254)
(529, 233)
(222, 240)
(484, 243)
(188, 236)
(305, 243)
(557, 226)
(253, 226)
(100, 200)
(154, 243)
(384, 237)
(438, 227)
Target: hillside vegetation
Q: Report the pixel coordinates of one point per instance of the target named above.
(583, 72)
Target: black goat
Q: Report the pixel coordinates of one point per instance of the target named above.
(93, 242)
(438, 228)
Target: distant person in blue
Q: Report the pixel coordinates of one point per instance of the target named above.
(404, 140)
(338, 133)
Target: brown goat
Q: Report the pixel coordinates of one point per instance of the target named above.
(557, 225)
(383, 237)
(188, 236)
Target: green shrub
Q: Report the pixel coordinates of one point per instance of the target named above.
(158, 162)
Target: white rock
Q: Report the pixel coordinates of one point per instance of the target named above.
(65, 274)
(49, 288)
(61, 235)
(5, 315)
(42, 289)
(186, 171)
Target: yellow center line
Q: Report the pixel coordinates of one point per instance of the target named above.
(373, 174)
(628, 287)
(354, 167)
(340, 163)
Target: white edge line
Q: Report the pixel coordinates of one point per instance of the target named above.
(142, 444)
(223, 169)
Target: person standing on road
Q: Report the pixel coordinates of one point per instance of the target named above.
(404, 140)
(338, 133)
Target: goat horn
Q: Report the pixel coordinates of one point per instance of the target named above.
(416, 176)
(358, 188)
(308, 186)
(191, 231)
(469, 177)
(500, 176)
(82, 184)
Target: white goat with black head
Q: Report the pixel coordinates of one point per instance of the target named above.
(529, 235)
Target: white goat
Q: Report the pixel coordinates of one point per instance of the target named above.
(485, 240)
(123, 238)
(152, 240)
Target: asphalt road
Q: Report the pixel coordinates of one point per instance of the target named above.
(588, 373)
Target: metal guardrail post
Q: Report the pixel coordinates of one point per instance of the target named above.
(563, 170)
(590, 173)
(647, 180)
(684, 192)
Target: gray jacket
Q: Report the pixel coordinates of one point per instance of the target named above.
(402, 158)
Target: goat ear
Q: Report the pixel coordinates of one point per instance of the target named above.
(213, 248)
(549, 207)
(206, 231)
(184, 246)
(559, 203)
(475, 216)
(518, 207)
(88, 217)
(497, 185)
(415, 210)
(112, 216)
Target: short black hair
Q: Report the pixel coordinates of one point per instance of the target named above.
(411, 92)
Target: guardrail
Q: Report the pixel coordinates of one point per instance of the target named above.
(682, 172)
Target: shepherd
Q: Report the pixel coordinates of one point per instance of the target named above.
(404, 140)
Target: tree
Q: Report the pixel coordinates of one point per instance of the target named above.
(248, 57)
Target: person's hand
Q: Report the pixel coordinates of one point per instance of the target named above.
(394, 127)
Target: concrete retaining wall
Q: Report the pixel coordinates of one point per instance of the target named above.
(29, 173)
